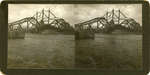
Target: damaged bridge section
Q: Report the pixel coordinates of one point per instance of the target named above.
(38, 23)
(111, 21)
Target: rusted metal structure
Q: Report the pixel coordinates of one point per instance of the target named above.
(111, 21)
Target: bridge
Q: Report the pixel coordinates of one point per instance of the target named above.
(111, 21)
(40, 21)
(46, 20)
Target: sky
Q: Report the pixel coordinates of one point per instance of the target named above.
(74, 13)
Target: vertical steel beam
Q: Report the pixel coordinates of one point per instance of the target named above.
(97, 24)
(48, 15)
(112, 14)
(20, 27)
(43, 14)
(118, 16)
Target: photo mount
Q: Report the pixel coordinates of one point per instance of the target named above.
(4, 32)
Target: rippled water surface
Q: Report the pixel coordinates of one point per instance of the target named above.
(113, 51)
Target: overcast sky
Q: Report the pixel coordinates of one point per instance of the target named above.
(74, 13)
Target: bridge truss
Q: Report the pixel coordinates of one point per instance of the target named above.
(112, 20)
(39, 21)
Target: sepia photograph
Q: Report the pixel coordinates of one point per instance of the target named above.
(75, 36)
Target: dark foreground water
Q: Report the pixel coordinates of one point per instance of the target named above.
(115, 51)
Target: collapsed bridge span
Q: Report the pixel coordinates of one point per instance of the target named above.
(108, 23)
(40, 21)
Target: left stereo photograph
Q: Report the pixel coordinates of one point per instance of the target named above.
(39, 36)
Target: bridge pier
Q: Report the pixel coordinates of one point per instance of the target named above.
(85, 34)
(15, 34)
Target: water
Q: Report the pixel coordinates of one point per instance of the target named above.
(110, 52)
(113, 51)
(41, 51)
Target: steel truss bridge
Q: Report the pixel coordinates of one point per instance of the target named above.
(111, 21)
(40, 21)
(45, 19)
